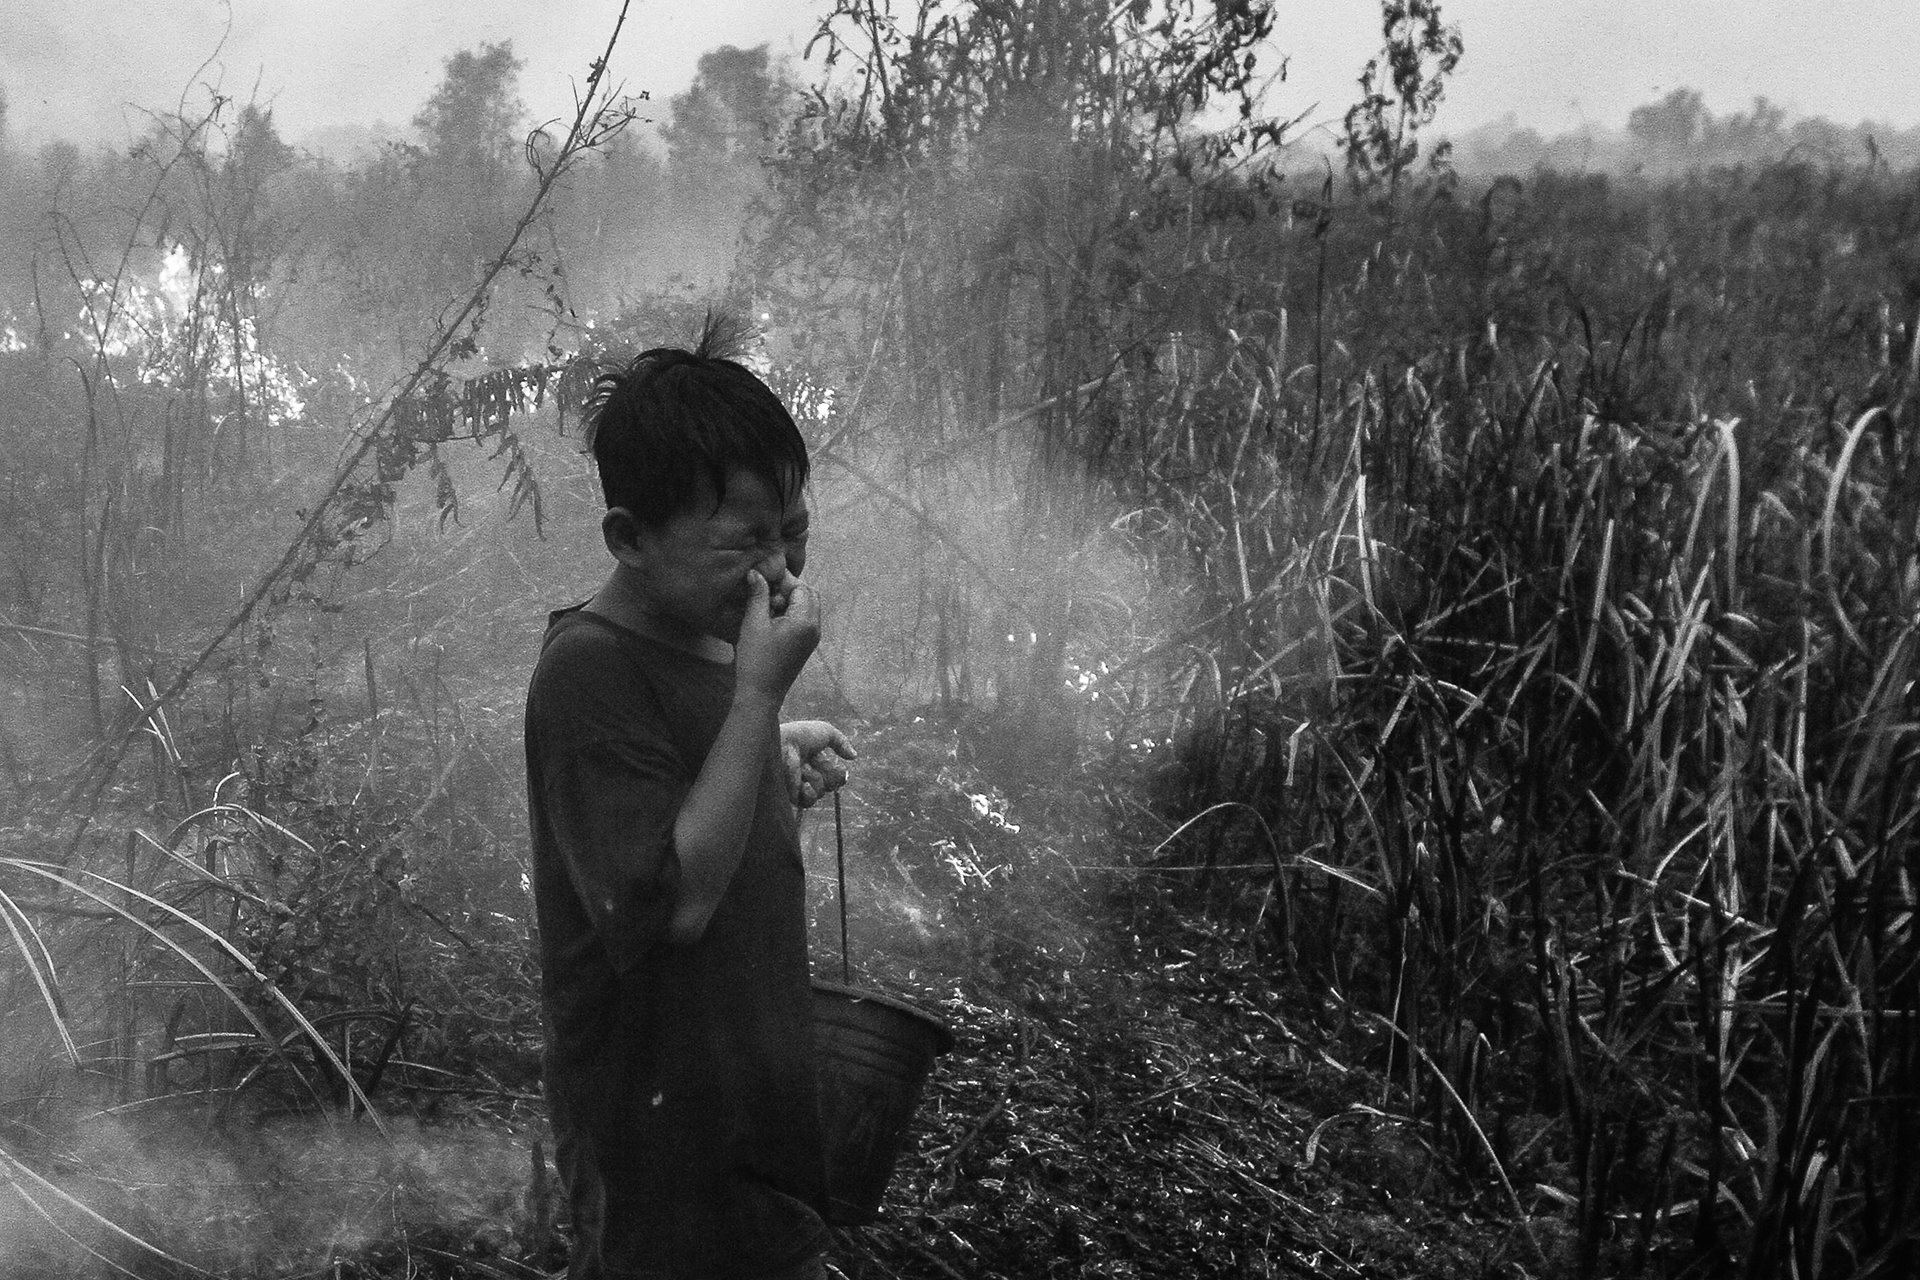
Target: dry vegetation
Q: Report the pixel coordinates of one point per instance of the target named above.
(1387, 706)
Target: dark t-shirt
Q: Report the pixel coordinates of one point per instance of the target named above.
(681, 1077)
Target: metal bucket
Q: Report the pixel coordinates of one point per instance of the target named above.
(874, 1053)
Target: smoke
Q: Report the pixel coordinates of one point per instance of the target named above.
(63, 80)
(275, 1198)
(940, 581)
(971, 613)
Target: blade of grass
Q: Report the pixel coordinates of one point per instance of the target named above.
(62, 876)
(39, 963)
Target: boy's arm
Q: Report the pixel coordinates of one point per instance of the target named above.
(710, 833)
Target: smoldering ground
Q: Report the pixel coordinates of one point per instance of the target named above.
(279, 1197)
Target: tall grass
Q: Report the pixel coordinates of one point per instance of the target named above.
(1539, 559)
(1599, 665)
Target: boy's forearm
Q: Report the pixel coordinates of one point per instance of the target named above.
(710, 833)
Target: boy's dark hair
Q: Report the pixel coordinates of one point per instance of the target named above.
(672, 415)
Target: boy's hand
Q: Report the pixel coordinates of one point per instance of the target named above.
(809, 749)
(772, 648)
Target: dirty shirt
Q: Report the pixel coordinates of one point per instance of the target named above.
(680, 1077)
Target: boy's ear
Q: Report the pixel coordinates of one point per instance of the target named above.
(623, 536)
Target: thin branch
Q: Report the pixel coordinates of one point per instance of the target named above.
(592, 125)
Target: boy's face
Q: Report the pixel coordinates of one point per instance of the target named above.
(690, 574)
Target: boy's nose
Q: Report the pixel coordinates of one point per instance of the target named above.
(774, 570)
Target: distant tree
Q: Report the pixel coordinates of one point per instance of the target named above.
(471, 124)
(247, 229)
(1679, 130)
(467, 172)
(1818, 138)
(718, 135)
(1671, 126)
(418, 223)
(247, 234)
(731, 111)
(256, 151)
(1751, 138)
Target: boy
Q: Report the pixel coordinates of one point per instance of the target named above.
(667, 875)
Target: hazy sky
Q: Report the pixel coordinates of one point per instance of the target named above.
(76, 68)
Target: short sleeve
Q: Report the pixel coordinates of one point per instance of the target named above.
(609, 786)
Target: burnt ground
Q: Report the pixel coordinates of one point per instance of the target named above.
(1138, 1088)
(1175, 1118)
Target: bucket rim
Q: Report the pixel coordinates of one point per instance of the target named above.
(943, 1033)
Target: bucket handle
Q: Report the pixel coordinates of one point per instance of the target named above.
(840, 867)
